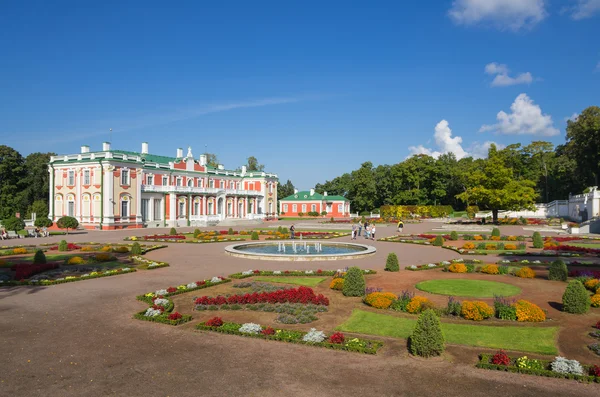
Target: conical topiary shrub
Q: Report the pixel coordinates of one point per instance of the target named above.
(63, 245)
(136, 249)
(538, 242)
(427, 338)
(454, 235)
(558, 271)
(439, 241)
(254, 236)
(39, 258)
(354, 282)
(576, 299)
(496, 232)
(173, 232)
(391, 264)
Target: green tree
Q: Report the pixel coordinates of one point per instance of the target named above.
(37, 180)
(354, 282)
(558, 271)
(363, 189)
(253, 165)
(67, 222)
(576, 299)
(40, 207)
(13, 223)
(136, 249)
(391, 264)
(284, 190)
(39, 258)
(583, 140)
(493, 187)
(212, 160)
(427, 338)
(43, 222)
(12, 183)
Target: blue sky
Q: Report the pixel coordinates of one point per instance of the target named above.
(312, 89)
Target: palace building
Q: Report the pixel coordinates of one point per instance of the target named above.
(116, 189)
(310, 202)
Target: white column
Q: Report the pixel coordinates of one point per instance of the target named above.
(172, 209)
(109, 217)
(151, 209)
(138, 200)
(204, 205)
(245, 207)
(78, 194)
(51, 198)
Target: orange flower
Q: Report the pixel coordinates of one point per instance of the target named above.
(476, 310)
(525, 272)
(490, 269)
(380, 300)
(457, 268)
(337, 284)
(527, 311)
(468, 246)
(418, 304)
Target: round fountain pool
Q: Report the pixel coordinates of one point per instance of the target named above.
(299, 250)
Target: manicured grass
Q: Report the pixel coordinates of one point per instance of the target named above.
(585, 245)
(492, 252)
(51, 257)
(527, 339)
(468, 288)
(307, 281)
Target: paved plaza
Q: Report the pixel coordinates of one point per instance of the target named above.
(79, 339)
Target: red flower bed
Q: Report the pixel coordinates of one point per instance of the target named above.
(170, 290)
(70, 247)
(175, 316)
(563, 239)
(165, 237)
(268, 331)
(26, 270)
(500, 358)
(585, 273)
(598, 325)
(214, 322)
(302, 295)
(430, 236)
(572, 248)
(595, 370)
(338, 338)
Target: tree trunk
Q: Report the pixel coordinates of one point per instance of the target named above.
(495, 216)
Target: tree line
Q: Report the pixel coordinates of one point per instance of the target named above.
(536, 172)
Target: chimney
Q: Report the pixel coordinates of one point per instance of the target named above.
(243, 170)
(179, 153)
(312, 192)
(144, 147)
(105, 146)
(85, 149)
(295, 191)
(203, 160)
(325, 194)
(221, 167)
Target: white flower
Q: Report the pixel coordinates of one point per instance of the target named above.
(277, 272)
(308, 272)
(161, 292)
(445, 263)
(367, 271)
(431, 265)
(412, 266)
(126, 269)
(247, 272)
(192, 285)
(505, 261)
(314, 336)
(161, 302)
(215, 280)
(250, 328)
(152, 312)
(85, 275)
(537, 261)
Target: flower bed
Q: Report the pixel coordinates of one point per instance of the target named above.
(303, 295)
(572, 248)
(161, 313)
(149, 264)
(523, 365)
(303, 273)
(70, 279)
(70, 247)
(26, 270)
(335, 341)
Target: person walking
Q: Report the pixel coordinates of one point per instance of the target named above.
(373, 230)
(366, 229)
(360, 227)
(354, 231)
(400, 226)
(292, 231)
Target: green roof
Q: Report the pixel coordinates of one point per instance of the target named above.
(149, 157)
(305, 196)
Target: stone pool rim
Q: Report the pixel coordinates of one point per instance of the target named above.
(368, 250)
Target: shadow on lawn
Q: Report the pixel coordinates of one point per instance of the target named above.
(556, 305)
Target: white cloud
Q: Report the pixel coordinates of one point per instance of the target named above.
(525, 118)
(583, 9)
(446, 143)
(502, 78)
(572, 118)
(480, 150)
(502, 14)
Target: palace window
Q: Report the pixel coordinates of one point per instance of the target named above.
(190, 182)
(285, 207)
(294, 208)
(178, 181)
(340, 208)
(145, 210)
(125, 177)
(71, 179)
(313, 208)
(221, 184)
(125, 206)
(303, 207)
(86, 177)
(149, 180)
(212, 183)
(165, 180)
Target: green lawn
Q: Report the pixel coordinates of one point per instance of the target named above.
(471, 288)
(585, 245)
(52, 257)
(527, 339)
(307, 281)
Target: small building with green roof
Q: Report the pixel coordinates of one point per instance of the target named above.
(311, 203)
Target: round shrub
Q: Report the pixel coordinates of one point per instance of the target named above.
(63, 245)
(230, 231)
(391, 263)
(337, 284)
(75, 260)
(468, 246)
(538, 242)
(39, 258)
(438, 241)
(254, 236)
(354, 282)
(576, 299)
(121, 249)
(527, 311)
(136, 249)
(453, 235)
(476, 310)
(457, 268)
(380, 300)
(525, 272)
(173, 232)
(595, 300)
(197, 232)
(427, 338)
(419, 304)
(496, 232)
(490, 269)
(103, 257)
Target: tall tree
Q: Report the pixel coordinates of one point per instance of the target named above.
(37, 180)
(583, 141)
(285, 189)
(363, 189)
(253, 165)
(12, 182)
(494, 187)
(212, 160)
(539, 155)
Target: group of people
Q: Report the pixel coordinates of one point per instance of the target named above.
(37, 232)
(369, 230)
(3, 234)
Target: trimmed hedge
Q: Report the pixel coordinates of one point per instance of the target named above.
(391, 263)
(558, 271)
(538, 242)
(427, 338)
(354, 282)
(576, 299)
(39, 258)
